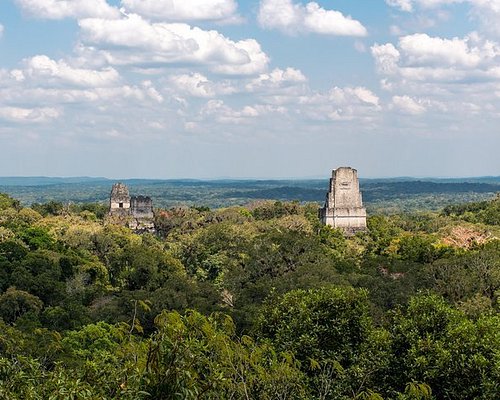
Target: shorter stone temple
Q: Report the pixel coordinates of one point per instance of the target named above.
(136, 212)
(344, 206)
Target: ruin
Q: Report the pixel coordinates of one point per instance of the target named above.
(344, 205)
(135, 212)
(119, 200)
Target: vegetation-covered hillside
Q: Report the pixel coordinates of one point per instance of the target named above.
(256, 302)
(390, 195)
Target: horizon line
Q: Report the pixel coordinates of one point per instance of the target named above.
(310, 177)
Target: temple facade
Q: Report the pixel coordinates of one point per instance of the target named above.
(344, 205)
(136, 212)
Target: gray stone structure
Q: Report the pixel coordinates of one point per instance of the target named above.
(141, 206)
(119, 200)
(344, 205)
(136, 212)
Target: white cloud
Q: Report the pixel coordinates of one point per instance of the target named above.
(135, 41)
(366, 96)
(1, 30)
(293, 18)
(269, 102)
(48, 71)
(277, 78)
(151, 91)
(222, 113)
(409, 5)
(198, 85)
(35, 94)
(41, 80)
(445, 77)
(184, 10)
(29, 115)
(422, 49)
(407, 105)
(404, 5)
(386, 57)
(340, 104)
(420, 57)
(59, 9)
(487, 12)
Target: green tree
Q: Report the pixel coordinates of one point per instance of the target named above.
(330, 332)
(15, 303)
(193, 356)
(436, 344)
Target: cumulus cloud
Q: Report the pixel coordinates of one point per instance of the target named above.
(41, 80)
(292, 18)
(407, 105)
(49, 71)
(59, 9)
(404, 5)
(229, 115)
(347, 96)
(487, 12)
(422, 49)
(386, 57)
(184, 10)
(423, 58)
(198, 85)
(340, 104)
(269, 101)
(135, 41)
(348, 101)
(444, 76)
(29, 115)
(276, 79)
(412, 5)
(126, 95)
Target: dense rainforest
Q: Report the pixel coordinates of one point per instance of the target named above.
(254, 302)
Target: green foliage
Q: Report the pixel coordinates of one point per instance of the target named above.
(248, 302)
(193, 356)
(50, 208)
(277, 209)
(458, 358)
(8, 202)
(37, 238)
(90, 210)
(319, 324)
(331, 333)
(475, 273)
(15, 303)
(486, 212)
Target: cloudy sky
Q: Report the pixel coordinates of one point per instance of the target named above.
(249, 88)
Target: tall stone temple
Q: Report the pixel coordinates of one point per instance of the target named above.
(344, 206)
(136, 212)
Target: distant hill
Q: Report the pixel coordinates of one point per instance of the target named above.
(391, 194)
(44, 180)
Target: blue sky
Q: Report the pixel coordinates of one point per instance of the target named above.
(269, 88)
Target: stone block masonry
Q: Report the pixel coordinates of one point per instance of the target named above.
(344, 205)
(136, 212)
(119, 200)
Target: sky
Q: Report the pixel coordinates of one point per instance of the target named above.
(254, 88)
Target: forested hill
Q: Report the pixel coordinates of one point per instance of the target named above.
(392, 195)
(254, 302)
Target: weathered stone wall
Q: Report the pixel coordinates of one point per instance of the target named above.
(135, 212)
(141, 207)
(344, 205)
(119, 200)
